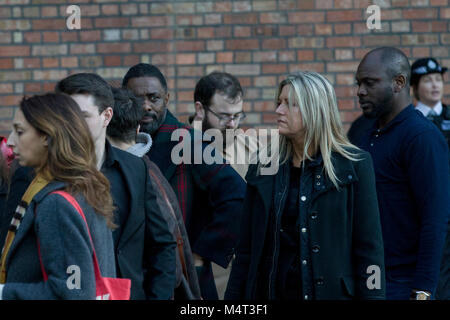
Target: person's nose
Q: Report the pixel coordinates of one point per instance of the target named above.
(231, 124)
(434, 83)
(10, 142)
(280, 110)
(147, 105)
(361, 91)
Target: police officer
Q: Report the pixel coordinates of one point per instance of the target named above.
(428, 86)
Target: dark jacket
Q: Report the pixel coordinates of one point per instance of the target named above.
(21, 178)
(64, 242)
(443, 290)
(3, 198)
(210, 198)
(344, 231)
(145, 251)
(442, 121)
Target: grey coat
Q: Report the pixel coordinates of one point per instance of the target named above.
(64, 242)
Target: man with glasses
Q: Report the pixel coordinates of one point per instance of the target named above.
(218, 99)
(210, 195)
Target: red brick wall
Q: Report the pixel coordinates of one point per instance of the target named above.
(259, 41)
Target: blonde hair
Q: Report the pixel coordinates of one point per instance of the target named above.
(322, 126)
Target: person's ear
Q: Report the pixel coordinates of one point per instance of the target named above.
(199, 111)
(107, 116)
(44, 139)
(399, 83)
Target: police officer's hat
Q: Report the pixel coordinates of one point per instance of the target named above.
(425, 66)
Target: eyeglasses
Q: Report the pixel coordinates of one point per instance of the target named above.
(224, 119)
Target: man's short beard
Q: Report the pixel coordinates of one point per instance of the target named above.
(383, 107)
(154, 125)
(206, 126)
(150, 127)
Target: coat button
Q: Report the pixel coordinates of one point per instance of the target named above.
(350, 177)
(306, 297)
(304, 262)
(303, 230)
(314, 215)
(315, 248)
(303, 198)
(319, 281)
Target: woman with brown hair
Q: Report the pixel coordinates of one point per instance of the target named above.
(48, 251)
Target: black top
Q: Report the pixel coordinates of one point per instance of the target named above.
(358, 128)
(119, 193)
(289, 280)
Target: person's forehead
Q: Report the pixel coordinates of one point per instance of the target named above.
(144, 85)
(286, 89)
(370, 69)
(19, 118)
(434, 75)
(225, 104)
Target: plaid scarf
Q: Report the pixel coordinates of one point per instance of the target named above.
(36, 185)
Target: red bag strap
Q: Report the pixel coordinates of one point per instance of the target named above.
(77, 207)
(44, 274)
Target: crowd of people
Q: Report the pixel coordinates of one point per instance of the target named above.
(363, 215)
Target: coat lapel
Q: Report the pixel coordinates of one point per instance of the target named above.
(160, 154)
(161, 151)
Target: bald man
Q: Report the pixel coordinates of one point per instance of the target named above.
(412, 175)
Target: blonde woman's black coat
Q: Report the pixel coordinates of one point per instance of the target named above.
(345, 231)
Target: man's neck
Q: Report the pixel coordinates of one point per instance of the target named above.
(100, 152)
(121, 144)
(399, 106)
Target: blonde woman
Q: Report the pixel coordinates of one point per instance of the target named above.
(312, 230)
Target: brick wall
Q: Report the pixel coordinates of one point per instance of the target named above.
(259, 41)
